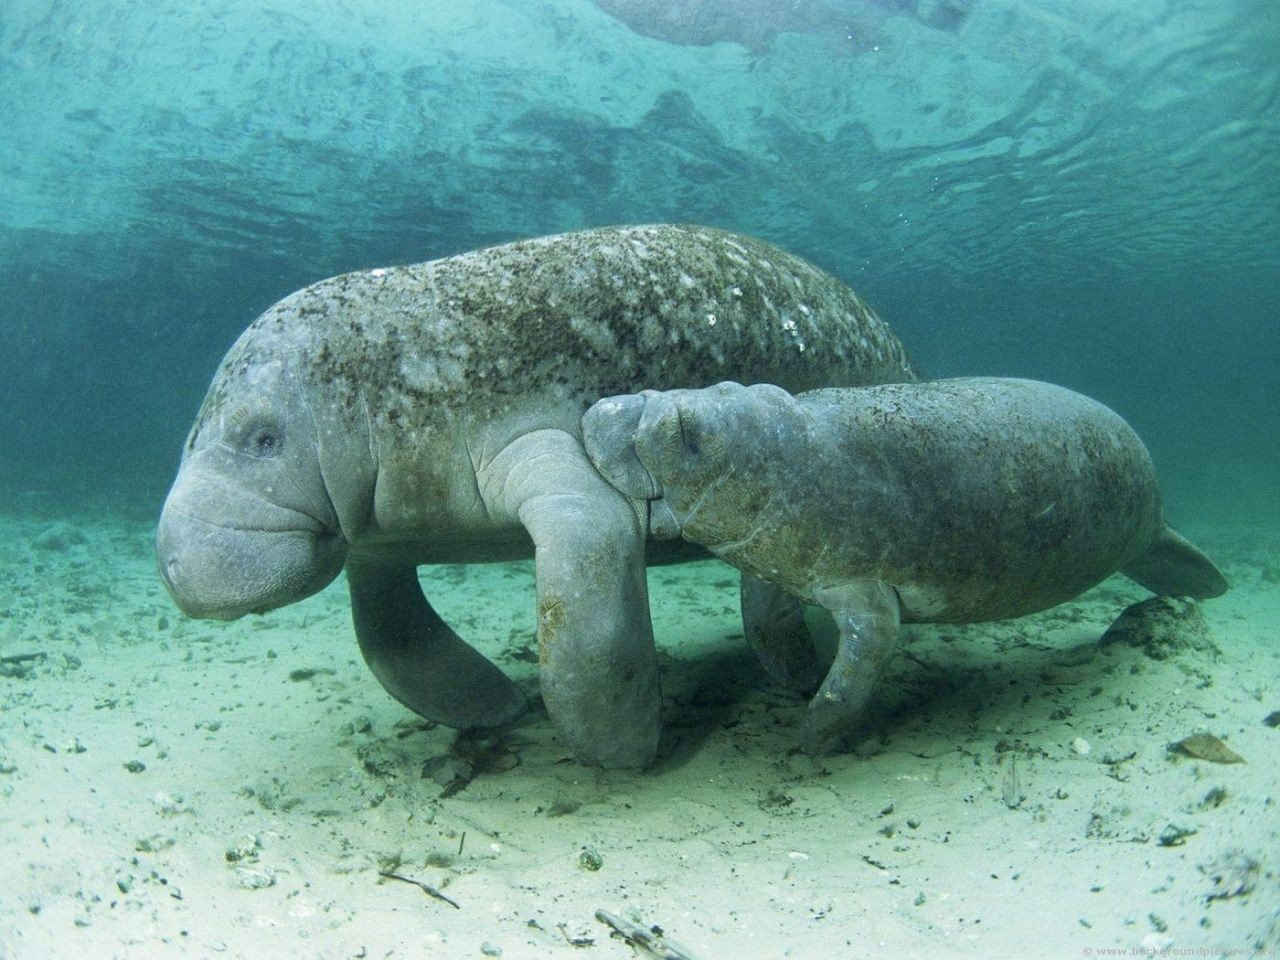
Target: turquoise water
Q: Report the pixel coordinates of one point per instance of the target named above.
(1084, 192)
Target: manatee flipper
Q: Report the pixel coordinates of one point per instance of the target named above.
(1175, 567)
(599, 667)
(773, 623)
(418, 658)
(868, 615)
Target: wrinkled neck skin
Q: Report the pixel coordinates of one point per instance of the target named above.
(435, 484)
(347, 469)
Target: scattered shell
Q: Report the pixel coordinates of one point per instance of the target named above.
(249, 878)
(562, 807)
(1205, 746)
(1156, 943)
(467, 757)
(1215, 798)
(167, 804)
(245, 850)
(1231, 874)
(451, 773)
(1174, 835)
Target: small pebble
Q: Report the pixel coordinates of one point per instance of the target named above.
(589, 859)
(1081, 746)
(251, 879)
(1174, 835)
(244, 851)
(166, 803)
(490, 949)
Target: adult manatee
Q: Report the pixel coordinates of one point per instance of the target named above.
(431, 414)
(952, 501)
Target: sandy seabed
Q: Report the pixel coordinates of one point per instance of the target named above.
(171, 788)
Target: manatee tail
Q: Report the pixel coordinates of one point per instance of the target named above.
(1175, 567)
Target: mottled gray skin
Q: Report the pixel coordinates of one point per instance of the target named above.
(946, 501)
(430, 414)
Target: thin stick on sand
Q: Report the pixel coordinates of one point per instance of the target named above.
(638, 936)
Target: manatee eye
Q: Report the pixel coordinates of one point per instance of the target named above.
(691, 431)
(258, 435)
(265, 442)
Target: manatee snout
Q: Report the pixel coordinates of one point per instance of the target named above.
(255, 557)
(662, 447)
(609, 431)
(646, 444)
(642, 442)
(687, 439)
(622, 435)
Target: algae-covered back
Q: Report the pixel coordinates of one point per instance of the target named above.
(579, 315)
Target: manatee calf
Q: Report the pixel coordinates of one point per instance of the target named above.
(945, 501)
(431, 413)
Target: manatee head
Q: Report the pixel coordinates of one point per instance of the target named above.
(703, 458)
(249, 525)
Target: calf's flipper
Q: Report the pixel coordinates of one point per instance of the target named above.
(868, 616)
(773, 623)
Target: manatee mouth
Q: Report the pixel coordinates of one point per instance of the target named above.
(217, 572)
